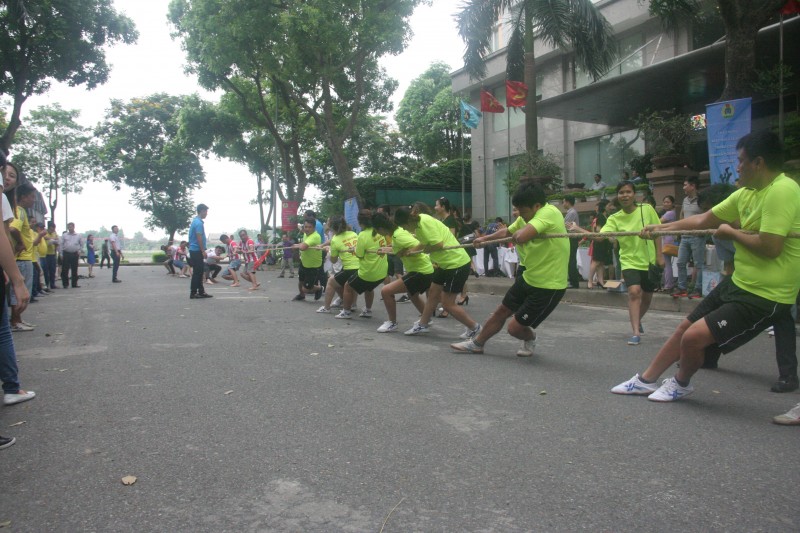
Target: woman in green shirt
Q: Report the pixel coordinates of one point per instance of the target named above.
(635, 253)
(341, 246)
(451, 273)
(417, 279)
(372, 267)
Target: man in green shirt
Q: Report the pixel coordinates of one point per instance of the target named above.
(310, 261)
(543, 283)
(764, 284)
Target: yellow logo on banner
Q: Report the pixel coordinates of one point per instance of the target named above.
(728, 110)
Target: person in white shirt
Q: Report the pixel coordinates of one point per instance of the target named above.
(115, 243)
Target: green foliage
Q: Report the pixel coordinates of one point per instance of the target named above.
(142, 149)
(543, 169)
(643, 164)
(55, 40)
(56, 152)
(769, 84)
(159, 257)
(791, 135)
(666, 132)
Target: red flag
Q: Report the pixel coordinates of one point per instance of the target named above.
(791, 7)
(516, 94)
(489, 103)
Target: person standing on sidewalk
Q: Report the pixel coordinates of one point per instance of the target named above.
(51, 261)
(71, 246)
(570, 218)
(197, 253)
(694, 247)
(115, 244)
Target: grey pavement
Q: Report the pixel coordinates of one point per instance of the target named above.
(249, 412)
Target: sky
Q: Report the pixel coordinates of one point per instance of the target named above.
(156, 64)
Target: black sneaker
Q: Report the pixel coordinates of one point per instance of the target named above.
(113, 281)
(318, 294)
(5, 442)
(299, 297)
(403, 299)
(785, 385)
(205, 295)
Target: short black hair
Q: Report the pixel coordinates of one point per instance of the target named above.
(445, 203)
(693, 180)
(25, 189)
(402, 215)
(626, 183)
(310, 213)
(569, 198)
(764, 144)
(528, 194)
(338, 224)
(381, 221)
(365, 218)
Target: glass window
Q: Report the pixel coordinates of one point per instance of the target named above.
(502, 200)
(627, 46)
(608, 155)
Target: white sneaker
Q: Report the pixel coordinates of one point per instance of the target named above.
(323, 309)
(387, 327)
(470, 333)
(21, 327)
(790, 418)
(468, 346)
(345, 314)
(22, 396)
(336, 303)
(669, 391)
(418, 329)
(635, 386)
(27, 324)
(527, 348)
(366, 313)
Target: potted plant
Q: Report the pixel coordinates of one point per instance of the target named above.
(667, 134)
(538, 168)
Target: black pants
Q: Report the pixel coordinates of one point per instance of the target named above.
(69, 261)
(198, 268)
(490, 249)
(213, 270)
(572, 266)
(785, 345)
(105, 259)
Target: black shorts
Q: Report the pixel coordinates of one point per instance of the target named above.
(638, 277)
(452, 280)
(390, 265)
(736, 316)
(343, 276)
(520, 271)
(361, 286)
(308, 276)
(531, 305)
(417, 283)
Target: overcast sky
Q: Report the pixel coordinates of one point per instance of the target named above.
(155, 64)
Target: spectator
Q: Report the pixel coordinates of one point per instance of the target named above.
(287, 260)
(105, 257)
(668, 241)
(598, 184)
(600, 251)
(690, 247)
(91, 258)
(571, 218)
(51, 261)
(71, 246)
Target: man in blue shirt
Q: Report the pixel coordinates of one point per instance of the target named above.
(197, 253)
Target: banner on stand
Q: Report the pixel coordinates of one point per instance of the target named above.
(288, 212)
(351, 213)
(727, 122)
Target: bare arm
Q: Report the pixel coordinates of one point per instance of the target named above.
(767, 245)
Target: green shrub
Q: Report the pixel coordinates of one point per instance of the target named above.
(159, 257)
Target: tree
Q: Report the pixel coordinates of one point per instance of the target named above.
(320, 58)
(55, 40)
(142, 149)
(57, 152)
(575, 24)
(428, 116)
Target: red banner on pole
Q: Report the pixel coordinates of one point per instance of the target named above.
(516, 93)
(489, 103)
(289, 211)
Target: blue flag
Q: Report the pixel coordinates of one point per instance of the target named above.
(470, 116)
(351, 214)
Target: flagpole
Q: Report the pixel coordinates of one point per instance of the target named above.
(484, 171)
(508, 159)
(463, 201)
(780, 84)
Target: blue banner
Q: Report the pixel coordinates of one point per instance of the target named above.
(351, 214)
(727, 123)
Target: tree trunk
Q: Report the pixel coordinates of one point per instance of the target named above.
(14, 122)
(171, 236)
(260, 199)
(531, 118)
(345, 174)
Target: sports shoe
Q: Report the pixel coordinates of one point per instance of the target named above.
(5, 442)
(635, 386)
(365, 313)
(418, 329)
(790, 418)
(468, 346)
(317, 294)
(388, 327)
(336, 303)
(679, 293)
(785, 384)
(695, 296)
(27, 324)
(669, 391)
(634, 341)
(345, 314)
(21, 327)
(21, 396)
(299, 298)
(323, 309)
(470, 333)
(527, 348)
(404, 299)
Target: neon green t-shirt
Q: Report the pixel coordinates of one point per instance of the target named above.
(635, 253)
(776, 210)
(21, 223)
(546, 259)
(340, 243)
(513, 228)
(431, 231)
(372, 266)
(311, 258)
(403, 240)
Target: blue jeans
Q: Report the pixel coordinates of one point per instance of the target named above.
(50, 271)
(694, 247)
(9, 374)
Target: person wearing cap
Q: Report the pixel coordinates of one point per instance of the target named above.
(197, 253)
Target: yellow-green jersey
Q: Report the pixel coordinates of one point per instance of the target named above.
(513, 228)
(372, 266)
(22, 225)
(49, 240)
(635, 253)
(546, 259)
(340, 247)
(403, 240)
(775, 210)
(311, 258)
(429, 232)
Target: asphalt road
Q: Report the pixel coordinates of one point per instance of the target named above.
(249, 412)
